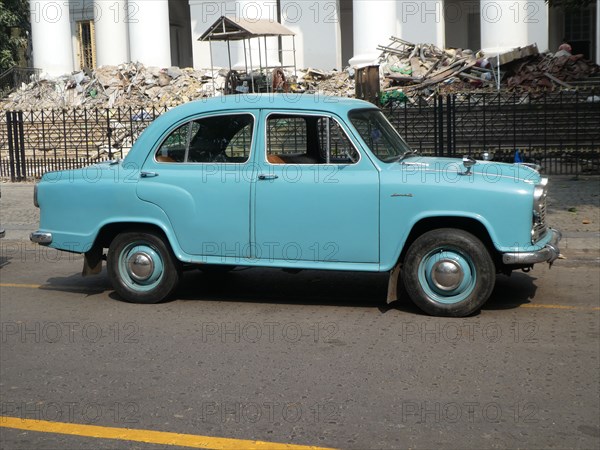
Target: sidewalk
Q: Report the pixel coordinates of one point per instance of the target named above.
(571, 205)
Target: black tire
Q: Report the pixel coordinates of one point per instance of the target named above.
(448, 272)
(131, 256)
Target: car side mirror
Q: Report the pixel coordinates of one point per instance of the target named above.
(468, 162)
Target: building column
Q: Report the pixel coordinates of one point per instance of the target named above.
(111, 32)
(51, 37)
(374, 21)
(421, 22)
(506, 25)
(149, 34)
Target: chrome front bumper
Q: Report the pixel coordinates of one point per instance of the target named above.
(41, 238)
(548, 254)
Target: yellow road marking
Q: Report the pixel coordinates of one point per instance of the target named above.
(541, 306)
(527, 305)
(49, 287)
(19, 285)
(148, 436)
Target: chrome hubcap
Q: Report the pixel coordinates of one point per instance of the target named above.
(447, 275)
(140, 266)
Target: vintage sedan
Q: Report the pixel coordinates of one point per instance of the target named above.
(297, 182)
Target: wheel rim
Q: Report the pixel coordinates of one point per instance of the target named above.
(140, 266)
(447, 275)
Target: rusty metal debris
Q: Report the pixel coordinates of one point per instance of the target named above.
(417, 68)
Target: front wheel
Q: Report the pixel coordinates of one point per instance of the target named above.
(142, 268)
(448, 272)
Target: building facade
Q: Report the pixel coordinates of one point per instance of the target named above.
(330, 34)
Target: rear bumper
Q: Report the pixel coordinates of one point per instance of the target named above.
(548, 254)
(40, 237)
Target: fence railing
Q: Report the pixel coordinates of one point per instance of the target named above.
(12, 78)
(559, 131)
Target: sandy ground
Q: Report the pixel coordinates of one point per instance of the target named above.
(574, 203)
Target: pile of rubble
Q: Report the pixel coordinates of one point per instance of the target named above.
(134, 85)
(405, 70)
(418, 68)
(550, 70)
(415, 67)
(327, 83)
(130, 84)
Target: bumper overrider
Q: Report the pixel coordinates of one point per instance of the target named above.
(548, 254)
(41, 238)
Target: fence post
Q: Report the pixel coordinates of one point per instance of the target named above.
(440, 124)
(21, 144)
(449, 148)
(576, 134)
(11, 150)
(109, 133)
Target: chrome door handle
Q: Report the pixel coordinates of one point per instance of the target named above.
(148, 174)
(267, 177)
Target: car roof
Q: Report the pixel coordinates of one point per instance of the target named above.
(272, 101)
(242, 102)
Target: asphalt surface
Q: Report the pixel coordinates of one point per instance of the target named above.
(316, 358)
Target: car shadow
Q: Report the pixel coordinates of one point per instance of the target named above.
(308, 287)
(512, 291)
(4, 261)
(77, 284)
(312, 287)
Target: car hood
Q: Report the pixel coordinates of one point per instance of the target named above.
(452, 168)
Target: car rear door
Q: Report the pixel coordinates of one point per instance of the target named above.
(200, 175)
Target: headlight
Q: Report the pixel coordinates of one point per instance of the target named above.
(539, 227)
(35, 196)
(539, 196)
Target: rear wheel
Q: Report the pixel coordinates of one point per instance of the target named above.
(142, 267)
(448, 272)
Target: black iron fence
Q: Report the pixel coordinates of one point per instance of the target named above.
(12, 78)
(36, 142)
(559, 131)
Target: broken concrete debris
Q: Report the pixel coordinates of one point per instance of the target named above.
(411, 69)
(126, 85)
(134, 85)
(426, 68)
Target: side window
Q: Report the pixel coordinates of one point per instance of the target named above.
(173, 147)
(294, 139)
(226, 139)
(341, 150)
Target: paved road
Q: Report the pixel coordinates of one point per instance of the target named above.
(315, 358)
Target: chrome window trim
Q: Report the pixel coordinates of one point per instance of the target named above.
(313, 114)
(220, 114)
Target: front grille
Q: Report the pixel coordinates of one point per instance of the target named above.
(539, 223)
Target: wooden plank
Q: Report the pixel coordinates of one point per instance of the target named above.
(557, 81)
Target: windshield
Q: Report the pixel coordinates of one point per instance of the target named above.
(379, 134)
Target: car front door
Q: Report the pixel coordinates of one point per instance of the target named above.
(316, 198)
(200, 175)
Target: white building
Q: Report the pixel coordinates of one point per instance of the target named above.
(69, 35)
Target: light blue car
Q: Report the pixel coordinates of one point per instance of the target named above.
(297, 182)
